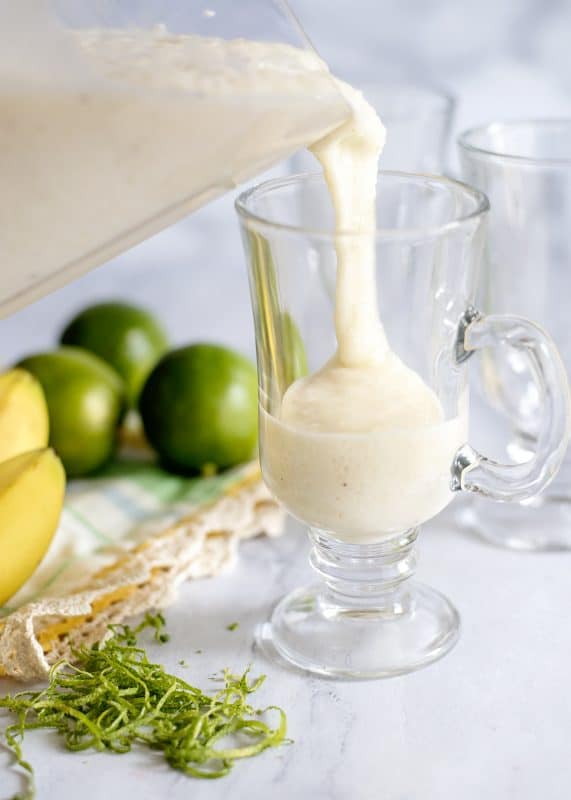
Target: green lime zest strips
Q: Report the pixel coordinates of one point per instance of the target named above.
(112, 697)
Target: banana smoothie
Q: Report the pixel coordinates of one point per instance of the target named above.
(361, 447)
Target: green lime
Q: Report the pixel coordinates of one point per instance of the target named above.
(86, 399)
(127, 337)
(199, 406)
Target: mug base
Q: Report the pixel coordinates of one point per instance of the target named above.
(308, 631)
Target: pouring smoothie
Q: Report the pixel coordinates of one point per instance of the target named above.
(148, 125)
(151, 125)
(362, 446)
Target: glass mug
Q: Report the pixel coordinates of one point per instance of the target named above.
(364, 495)
(525, 169)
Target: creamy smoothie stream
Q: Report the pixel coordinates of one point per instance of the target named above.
(361, 447)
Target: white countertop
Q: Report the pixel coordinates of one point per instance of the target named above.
(493, 718)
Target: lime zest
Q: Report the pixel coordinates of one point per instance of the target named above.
(112, 698)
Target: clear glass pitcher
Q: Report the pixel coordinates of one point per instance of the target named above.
(120, 117)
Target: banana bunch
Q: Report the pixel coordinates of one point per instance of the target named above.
(32, 480)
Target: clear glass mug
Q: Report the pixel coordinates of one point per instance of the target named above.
(525, 169)
(363, 496)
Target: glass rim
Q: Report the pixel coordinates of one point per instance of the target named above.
(441, 99)
(465, 143)
(242, 206)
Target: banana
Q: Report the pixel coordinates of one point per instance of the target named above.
(24, 421)
(32, 487)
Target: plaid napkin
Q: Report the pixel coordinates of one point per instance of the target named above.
(102, 511)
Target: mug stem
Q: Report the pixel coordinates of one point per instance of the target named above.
(364, 579)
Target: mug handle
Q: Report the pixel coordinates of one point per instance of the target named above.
(473, 472)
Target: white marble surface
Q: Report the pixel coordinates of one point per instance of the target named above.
(493, 718)
(490, 720)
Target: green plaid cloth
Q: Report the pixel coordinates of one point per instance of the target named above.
(100, 512)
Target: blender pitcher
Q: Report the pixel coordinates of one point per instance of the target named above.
(119, 118)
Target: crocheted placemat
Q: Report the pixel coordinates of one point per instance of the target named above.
(125, 542)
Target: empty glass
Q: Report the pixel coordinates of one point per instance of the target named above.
(364, 495)
(525, 169)
(418, 120)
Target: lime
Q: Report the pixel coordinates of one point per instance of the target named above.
(85, 400)
(199, 407)
(127, 337)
